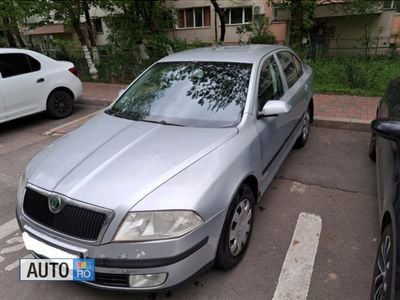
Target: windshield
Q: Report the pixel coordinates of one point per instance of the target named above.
(198, 94)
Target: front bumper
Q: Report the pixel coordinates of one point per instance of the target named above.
(180, 258)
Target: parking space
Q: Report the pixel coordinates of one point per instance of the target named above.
(331, 178)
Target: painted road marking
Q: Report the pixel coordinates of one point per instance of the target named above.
(295, 277)
(298, 187)
(15, 264)
(8, 228)
(58, 128)
(12, 249)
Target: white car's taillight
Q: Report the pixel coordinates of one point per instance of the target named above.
(74, 71)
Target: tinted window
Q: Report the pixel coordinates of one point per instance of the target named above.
(289, 67)
(199, 94)
(35, 65)
(270, 85)
(12, 64)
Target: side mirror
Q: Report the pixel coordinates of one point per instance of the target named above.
(388, 128)
(120, 92)
(274, 108)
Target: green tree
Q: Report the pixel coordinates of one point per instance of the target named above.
(70, 13)
(301, 19)
(13, 13)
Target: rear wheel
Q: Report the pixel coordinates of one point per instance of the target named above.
(302, 139)
(237, 229)
(59, 104)
(382, 279)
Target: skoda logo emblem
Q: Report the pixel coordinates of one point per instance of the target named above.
(55, 202)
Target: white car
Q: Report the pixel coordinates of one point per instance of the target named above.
(31, 82)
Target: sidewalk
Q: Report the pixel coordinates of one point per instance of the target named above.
(334, 111)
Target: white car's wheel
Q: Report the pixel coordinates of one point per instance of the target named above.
(59, 104)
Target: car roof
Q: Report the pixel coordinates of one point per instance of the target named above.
(14, 50)
(238, 53)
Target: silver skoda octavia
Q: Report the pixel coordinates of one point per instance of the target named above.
(163, 183)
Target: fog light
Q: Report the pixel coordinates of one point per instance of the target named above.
(147, 280)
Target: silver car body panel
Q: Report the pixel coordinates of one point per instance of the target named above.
(125, 165)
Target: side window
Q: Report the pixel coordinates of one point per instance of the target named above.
(289, 67)
(299, 68)
(13, 64)
(270, 86)
(35, 65)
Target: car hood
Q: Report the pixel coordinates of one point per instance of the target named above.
(114, 163)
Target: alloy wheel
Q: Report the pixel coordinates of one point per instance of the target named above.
(383, 265)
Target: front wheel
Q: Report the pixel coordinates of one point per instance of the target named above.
(59, 104)
(237, 229)
(382, 279)
(302, 139)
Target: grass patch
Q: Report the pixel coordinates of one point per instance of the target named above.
(354, 75)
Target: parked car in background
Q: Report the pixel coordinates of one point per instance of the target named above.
(163, 184)
(385, 150)
(31, 82)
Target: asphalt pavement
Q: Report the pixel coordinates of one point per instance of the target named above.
(331, 178)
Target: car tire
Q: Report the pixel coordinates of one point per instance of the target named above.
(236, 232)
(383, 269)
(305, 130)
(59, 104)
(372, 148)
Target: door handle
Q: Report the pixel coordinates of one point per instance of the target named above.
(40, 80)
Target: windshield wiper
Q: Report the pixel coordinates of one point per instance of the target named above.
(162, 122)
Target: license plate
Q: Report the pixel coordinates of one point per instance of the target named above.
(43, 249)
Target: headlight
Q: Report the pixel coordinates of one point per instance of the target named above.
(157, 225)
(21, 188)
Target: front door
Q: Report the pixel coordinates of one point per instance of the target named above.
(272, 131)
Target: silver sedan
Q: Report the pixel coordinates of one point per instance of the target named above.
(162, 184)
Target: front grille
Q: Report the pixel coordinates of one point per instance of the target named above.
(120, 280)
(71, 220)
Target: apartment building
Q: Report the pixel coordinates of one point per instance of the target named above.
(197, 19)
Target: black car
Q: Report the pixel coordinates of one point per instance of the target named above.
(385, 149)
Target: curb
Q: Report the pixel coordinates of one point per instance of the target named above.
(95, 102)
(326, 122)
(343, 123)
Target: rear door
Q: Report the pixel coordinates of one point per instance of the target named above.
(22, 84)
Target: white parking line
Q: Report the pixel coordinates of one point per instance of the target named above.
(58, 128)
(12, 249)
(8, 228)
(295, 277)
(15, 264)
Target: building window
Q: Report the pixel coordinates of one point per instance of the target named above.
(238, 15)
(276, 11)
(98, 25)
(392, 4)
(194, 17)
